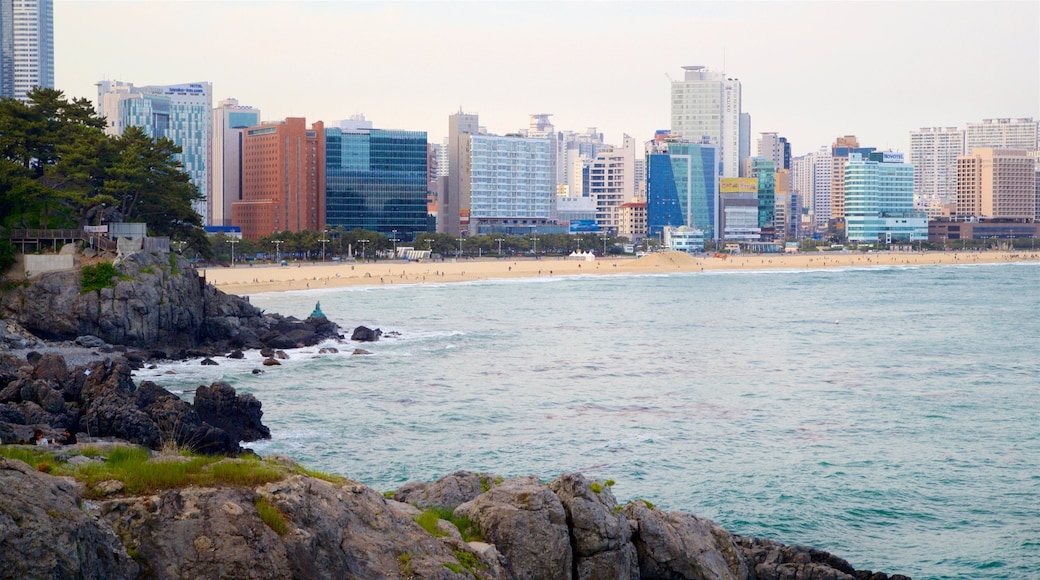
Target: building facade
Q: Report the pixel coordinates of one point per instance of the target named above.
(996, 183)
(933, 153)
(738, 218)
(377, 180)
(763, 171)
(181, 113)
(879, 200)
(455, 200)
(283, 179)
(613, 178)
(1021, 133)
(707, 105)
(682, 186)
(229, 121)
(840, 151)
(26, 46)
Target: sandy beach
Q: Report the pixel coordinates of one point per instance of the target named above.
(244, 279)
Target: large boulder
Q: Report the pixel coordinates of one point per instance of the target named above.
(45, 532)
(366, 334)
(683, 546)
(238, 414)
(600, 533)
(447, 492)
(527, 524)
(772, 560)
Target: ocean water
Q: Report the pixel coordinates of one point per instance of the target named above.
(888, 415)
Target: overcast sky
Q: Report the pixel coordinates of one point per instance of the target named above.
(810, 71)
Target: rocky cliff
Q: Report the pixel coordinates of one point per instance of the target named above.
(306, 527)
(156, 302)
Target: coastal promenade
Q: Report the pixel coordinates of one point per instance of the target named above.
(242, 279)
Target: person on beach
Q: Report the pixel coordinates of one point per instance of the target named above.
(39, 438)
(68, 438)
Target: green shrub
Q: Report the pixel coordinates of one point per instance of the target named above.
(596, 487)
(98, 276)
(427, 520)
(272, 516)
(7, 250)
(469, 561)
(609, 483)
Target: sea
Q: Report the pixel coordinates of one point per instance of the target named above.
(889, 415)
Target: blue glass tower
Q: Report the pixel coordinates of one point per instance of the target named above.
(376, 180)
(682, 187)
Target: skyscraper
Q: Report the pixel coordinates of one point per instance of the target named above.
(26, 46)
(229, 120)
(933, 153)
(879, 200)
(181, 113)
(283, 179)
(682, 186)
(376, 180)
(706, 104)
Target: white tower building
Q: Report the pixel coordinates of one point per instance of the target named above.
(933, 153)
(1022, 133)
(706, 104)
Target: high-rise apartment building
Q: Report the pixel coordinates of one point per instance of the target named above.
(283, 179)
(1021, 133)
(775, 148)
(802, 182)
(840, 151)
(229, 121)
(454, 205)
(682, 186)
(933, 153)
(879, 200)
(377, 180)
(707, 105)
(26, 46)
(181, 113)
(996, 184)
(613, 180)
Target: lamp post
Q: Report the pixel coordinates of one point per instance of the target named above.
(536, 246)
(394, 240)
(324, 239)
(277, 250)
(499, 240)
(604, 244)
(362, 242)
(459, 255)
(233, 242)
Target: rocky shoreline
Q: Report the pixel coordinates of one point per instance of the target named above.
(295, 524)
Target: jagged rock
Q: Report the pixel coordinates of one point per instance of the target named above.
(447, 492)
(271, 362)
(44, 533)
(775, 561)
(51, 367)
(267, 352)
(280, 354)
(600, 534)
(258, 371)
(209, 362)
(238, 414)
(527, 524)
(236, 354)
(365, 334)
(328, 350)
(677, 545)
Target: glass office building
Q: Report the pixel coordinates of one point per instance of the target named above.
(682, 187)
(879, 200)
(375, 180)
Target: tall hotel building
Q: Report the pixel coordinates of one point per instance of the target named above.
(181, 113)
(283, 179)
(879, 200)
(376, 180)
(706, 105)
(842, 148)
(996, 184)
(229, 122)
(26, 46)
(682, 187)
(495, 184)
(1022, 133)
(933, 153)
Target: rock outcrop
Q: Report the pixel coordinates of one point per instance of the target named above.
(100, 399)
(158, 302)
(316, 528)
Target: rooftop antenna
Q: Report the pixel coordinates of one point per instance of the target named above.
(669, 78)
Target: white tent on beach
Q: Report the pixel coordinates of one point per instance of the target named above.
(580, 255)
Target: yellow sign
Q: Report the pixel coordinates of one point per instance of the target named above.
(738, 185)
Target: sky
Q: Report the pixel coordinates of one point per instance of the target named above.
(811, 71)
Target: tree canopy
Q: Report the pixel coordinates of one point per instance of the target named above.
(58, 169)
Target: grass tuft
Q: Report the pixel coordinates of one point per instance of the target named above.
(596, 487)
(428, 521)
(97, 276)
(272, 516)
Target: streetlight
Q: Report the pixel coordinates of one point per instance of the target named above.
(362, 242)
(233, 242)
(536, 246)
(394, 240)
(604, 244)
(459, 255)
(277, 249)
(323, 240)
(499, 240)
